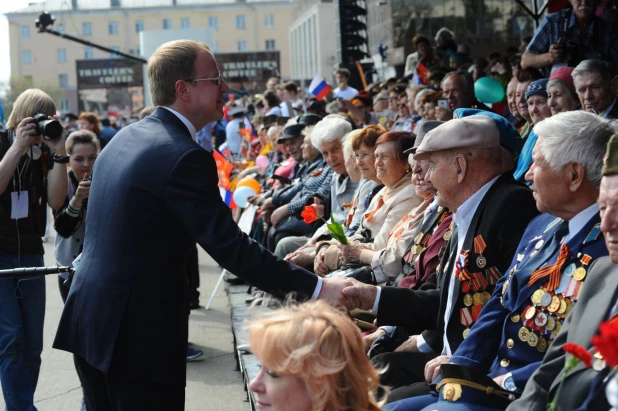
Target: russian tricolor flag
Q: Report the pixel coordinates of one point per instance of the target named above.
(319, 87)
(224, 150)
(226, 196)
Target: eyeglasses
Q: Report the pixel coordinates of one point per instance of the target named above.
(217, 80)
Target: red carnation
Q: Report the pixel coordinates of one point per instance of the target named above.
(606, 343)
(579, 352)
(309, 214)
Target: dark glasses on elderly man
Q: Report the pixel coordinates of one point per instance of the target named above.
(214, 80)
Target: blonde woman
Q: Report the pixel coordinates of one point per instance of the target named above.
(313, 359)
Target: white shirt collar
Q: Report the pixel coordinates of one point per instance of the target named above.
(184, 121)
(463, 215)
(577, 223)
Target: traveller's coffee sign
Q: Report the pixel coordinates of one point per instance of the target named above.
(108, 73)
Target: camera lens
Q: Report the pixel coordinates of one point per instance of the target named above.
(50, 129)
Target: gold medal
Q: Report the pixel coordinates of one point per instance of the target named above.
(555, 304)
(563, 307)
(465, 333)
(530, 313)
(447, 236)
(558, 327)
(523, 334)
(481, 261)
(414, 249)
(486, 297)
(542, 345)
(533, 340)
(477, 299)
(468, 300)
(551, 323)
(536, 297)
(580, 274)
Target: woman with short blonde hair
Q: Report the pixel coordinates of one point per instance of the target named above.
(320, 352)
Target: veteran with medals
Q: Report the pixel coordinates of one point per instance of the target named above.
(490, 213)
(584, 388)
(531, 302)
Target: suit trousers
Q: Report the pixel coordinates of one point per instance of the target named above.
(405, 373)
(115, 392)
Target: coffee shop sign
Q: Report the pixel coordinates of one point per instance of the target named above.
(233, 69)
(111, 75)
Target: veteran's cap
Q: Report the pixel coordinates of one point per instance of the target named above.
(468, 132)
(610, 161)
(291, 131)
(509, 136)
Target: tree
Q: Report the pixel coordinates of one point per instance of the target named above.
(19, 84)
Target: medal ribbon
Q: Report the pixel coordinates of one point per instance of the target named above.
(479, 244)
(351, 212)
(369, 216)
(553, 271)
(460, 267)
(493, 275)
(465, 316)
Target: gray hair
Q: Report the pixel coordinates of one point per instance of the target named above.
(560, 83)
(575, 137)
(348, 150)
(330, 128)
(599, 67)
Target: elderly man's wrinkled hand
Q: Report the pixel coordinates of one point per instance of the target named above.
(331, 292)
(361, 295)
(319, 266)
(432, 368)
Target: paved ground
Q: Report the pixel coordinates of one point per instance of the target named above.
(212, 384)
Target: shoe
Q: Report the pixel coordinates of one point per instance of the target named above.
(193, 354)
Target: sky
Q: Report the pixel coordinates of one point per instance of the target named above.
(6, 6)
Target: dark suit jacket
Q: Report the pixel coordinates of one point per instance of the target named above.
(501, 218)
(154, 195)
(596, 300)
(613, 114)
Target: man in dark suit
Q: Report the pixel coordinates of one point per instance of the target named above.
(153, 197)
(527, 310)
(491, 211)
(584, 388)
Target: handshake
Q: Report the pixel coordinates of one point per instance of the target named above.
(348, 293)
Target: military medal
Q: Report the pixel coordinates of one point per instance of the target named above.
(563, 307)
(555, 304)
(542, 345)
(580, 273)
(530, 313)
(551, 323)
(468, 300)
(540, 319)
(570, 269)
(465, 333)
(485, 296)
(545, 299)
(523, 334)
(533, 340)
(479, 247)
(476, 298)
(536, 297)
(465, 318)
(447, 236)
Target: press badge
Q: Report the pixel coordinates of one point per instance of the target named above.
(19, 204)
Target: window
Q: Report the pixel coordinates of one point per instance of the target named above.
(242, 45)
(270, 44)
(114, 55)
(240, 22)
(87, 29)
(62, 55)
(64, 105)
(139, 26)
(138, 51)
(25, 32)
(88, 53)
(63, 80)
(167, 24)
(184, 23)
(213, 22)
(115, 3)
(60, 28)
(269, 21)
(26, 57)
(112, 28)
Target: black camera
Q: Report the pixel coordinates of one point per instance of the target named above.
(50, 129)
(89, 178)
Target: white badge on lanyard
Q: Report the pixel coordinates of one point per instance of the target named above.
(19, 204)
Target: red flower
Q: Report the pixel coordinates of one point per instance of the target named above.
(309, 214)
(579, 352)
(606, 343)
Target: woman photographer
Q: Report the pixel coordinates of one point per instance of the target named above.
(32, 175)
(83, 148)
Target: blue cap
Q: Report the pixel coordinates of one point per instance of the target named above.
(509, 136)
(537, 88)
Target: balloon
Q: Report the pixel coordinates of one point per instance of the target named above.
(262, 161)
(488, 90)
(251, 183)
(241, 195)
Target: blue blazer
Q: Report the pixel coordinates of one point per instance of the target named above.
(154, 196)
(493, 341)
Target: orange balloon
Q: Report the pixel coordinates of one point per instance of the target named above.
(251, 183)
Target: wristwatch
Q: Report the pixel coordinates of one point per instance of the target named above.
(508, 383)
(60, 159)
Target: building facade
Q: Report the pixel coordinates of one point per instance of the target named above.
(44, 59)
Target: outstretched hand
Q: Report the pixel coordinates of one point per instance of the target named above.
(331, 292)
(361, 295)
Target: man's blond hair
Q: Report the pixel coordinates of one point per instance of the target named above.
(171, 62)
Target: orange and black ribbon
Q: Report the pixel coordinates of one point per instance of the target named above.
(553, 271)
